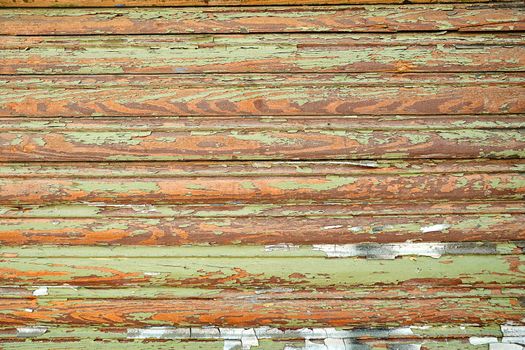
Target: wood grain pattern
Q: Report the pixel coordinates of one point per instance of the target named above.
(249, 273)
(266, 138)
(263, 54)
(262, 95)
(162, 3)
(264, 190)
(339, 175)
(280, 313)
(508, 16)
(260, 230)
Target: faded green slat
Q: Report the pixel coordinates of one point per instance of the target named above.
(277, 250)
(269, 294)
(263, 54)
(247, 273)
(359, 18)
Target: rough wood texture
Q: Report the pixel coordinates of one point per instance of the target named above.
(321, 177)
(263, 54)
(267, 94)
(212, 20)
(162, 3)
(214, 138)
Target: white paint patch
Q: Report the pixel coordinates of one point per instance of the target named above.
(335, 344)
(28, 310)
(332, 227)
(151, 273)
(333, 333)
(503, 346)
(232, 345)
(514, 340)
(513, 331)
(40, 291)
(280, 247)
(30, 332)
(482, 340)
(355, 229)
(435, 228)
(381, 251)
(404, 346)
(158, 333)
(205, 333)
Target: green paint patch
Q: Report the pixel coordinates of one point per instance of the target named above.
(119, 187)
(330, 183)
(107, 137)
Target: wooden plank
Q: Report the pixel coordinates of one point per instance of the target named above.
(267, 94)
(277, 210)
(249, 273)
(271, 189)
(228, 169)
(223, 139)
(162, 3)
(265, 53)
(268, 294)
(261, 230)
(296, 313)
(215, 20)
(385, 251)
(219, 344)
(435, 332)
(269, 122)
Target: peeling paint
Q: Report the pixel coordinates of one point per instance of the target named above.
(40, 291)
(30, 332)
(435, 228)
(391, 251)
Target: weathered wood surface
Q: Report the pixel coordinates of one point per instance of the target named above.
(263, 53)
(252, 177)
(261, 230)
(281, 313)
(162, 3)
(267, 94)
(274, 138)
(463, 337)
(508, 16)
(268, 189)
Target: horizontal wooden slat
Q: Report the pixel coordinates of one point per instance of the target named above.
(248, 273)
(228, 169)
(450, 337)
(294, 313)
(434, 332)
(263, 54)
(386, 251)
(267, 344)
(262, 293)
(162, 3)
(214, 344)
(289, 210)
(262, 95)
(378, 18)
(261, 230)
(209, 123)
(263, 190)
(229, 140)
